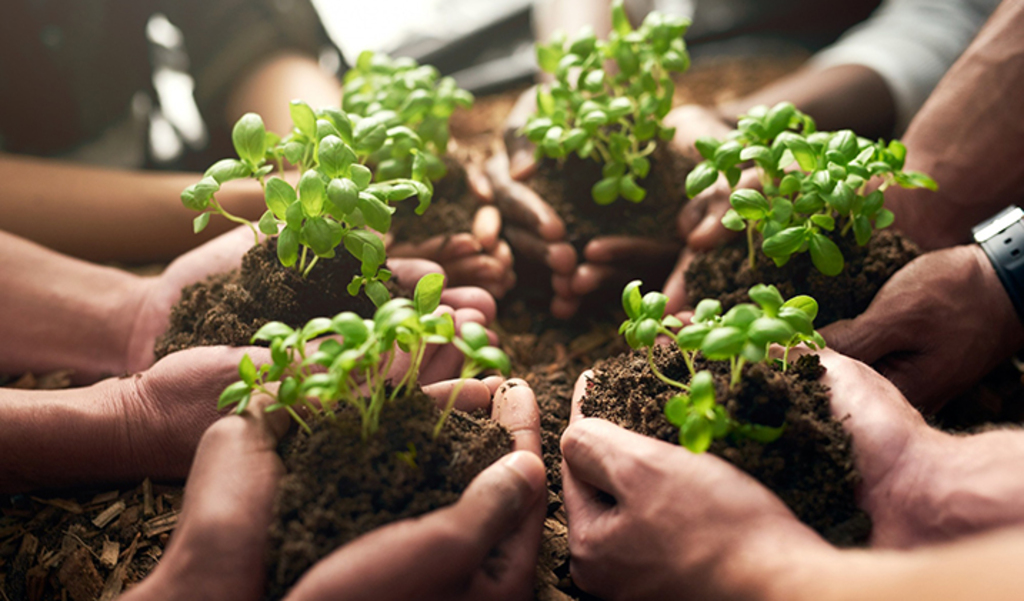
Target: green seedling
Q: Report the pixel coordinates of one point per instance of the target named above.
(812, 182)
(743, 335)
(613, 115)
(351, 367)
(421, 101)
(335, 201)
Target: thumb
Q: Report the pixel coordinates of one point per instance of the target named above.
(861, 338)
(499, 499)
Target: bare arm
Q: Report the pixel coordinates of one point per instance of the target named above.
(108, 214)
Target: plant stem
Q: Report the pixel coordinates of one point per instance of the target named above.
(302, 260)
(467, 372)
(296, 417)
(309, 267)
(661, 376)
(236, 219)
(750, 242)
(737, 369)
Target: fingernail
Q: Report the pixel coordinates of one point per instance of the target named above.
(528, 466)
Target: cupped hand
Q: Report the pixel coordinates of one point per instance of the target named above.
(475, 258)
(225, 253)
(484, 546)
(936, 327)
(651, 520)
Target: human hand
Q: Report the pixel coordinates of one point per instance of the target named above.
(475, 258)
(937, 326)
(159, 294)
(651, 520)
(486, 543)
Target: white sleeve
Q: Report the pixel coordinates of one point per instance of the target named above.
(910, 44)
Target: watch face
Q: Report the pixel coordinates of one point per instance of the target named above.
(991, 228)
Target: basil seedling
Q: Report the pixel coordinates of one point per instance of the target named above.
(812, 183)
(613, 115)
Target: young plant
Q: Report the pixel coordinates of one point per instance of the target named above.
(352, 367)
(811, 181)
(743, 335)
(612, 115)
(420, 99)
(335, 201)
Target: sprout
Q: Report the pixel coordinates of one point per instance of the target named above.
(742, 335)
(614, 116)
(812, 182)
(351, 367)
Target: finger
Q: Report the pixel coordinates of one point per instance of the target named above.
(499, 499)
(600, 453)
(590, 277)
(675, 285)
(487, 226)
(503, 253)
(561, 258)
(409, 271)
(578, 392)
(515, 407)
(562, 286)
(691, 215)
(472, 394)
(609, 249)
(564, 308)
(447, 360)
(519, 204)
(861, 338)
(710, 232)
(228, 504)
(479, 183)
(438, 248)
(478, 270)
(493, 382)
(523, 161)
(471, 297)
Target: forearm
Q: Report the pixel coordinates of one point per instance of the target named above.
(111, 215)
(840, 97)
(62, 313)
(984, 567)
(970, 137)
(61, 438)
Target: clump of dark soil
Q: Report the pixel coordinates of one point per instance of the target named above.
(566, 186)
(339, 487)
(725, 274)
(451, 210)
(229, 308)
(810, 467)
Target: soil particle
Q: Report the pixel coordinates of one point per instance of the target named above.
(725, 274)
(229, 308)
(451, 211)
(339, 487)
(810, 467)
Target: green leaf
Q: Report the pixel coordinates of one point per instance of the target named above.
(320, 236)
(274, 329)
(727, 155)
(785, 243)
(548, 56)
(707, 309)
(789, 184)
(630, 190)
(884, 219)
(475, 335)
(247, 370)
(606, 190)
(227, 170)
(861, 229)
(361, 176)
(653, 305)
(249, 136)
(197, 196)
(767, 297)
(335, 156)
(799, 320)
(376, 213)
(692, 337)
(825, 255)
(723, 343)
(493, 358)
(646, 331)
(765, 330)
(803, 303)
(750, 204)
(872, 203)
(701, 178)
(344, 195)
(233, 394)
(732, 221)
(312, 193)
(378, 293)
(696, 433)
(802, 151)
(707, 146)
(288, 246)
(702, 391)
(199, 223)
(268, 223)
(620, 22)
(676, 409)
(631, 299)
(279, 195)
(825, 222)
(303, 117)
(914, 179)
(427, 296)
(741, 316)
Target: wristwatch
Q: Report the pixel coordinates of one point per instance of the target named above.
(1002, 239)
